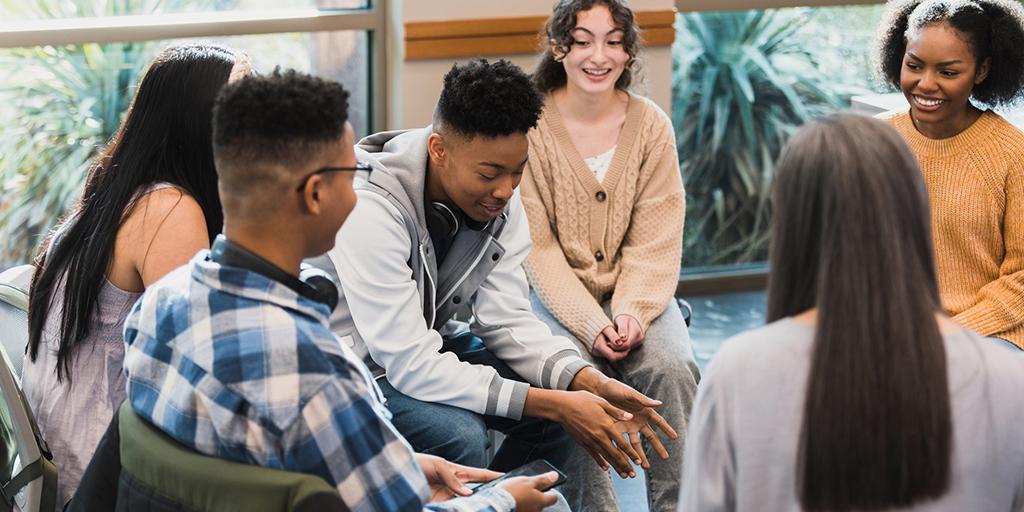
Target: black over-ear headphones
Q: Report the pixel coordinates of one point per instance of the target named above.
(312, 283)
(444, 216)
(452, 220)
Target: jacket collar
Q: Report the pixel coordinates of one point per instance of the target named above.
(250, 285)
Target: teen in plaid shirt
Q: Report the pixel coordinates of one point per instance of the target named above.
(232, 355)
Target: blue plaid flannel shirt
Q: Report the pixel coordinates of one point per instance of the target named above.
(235, 365)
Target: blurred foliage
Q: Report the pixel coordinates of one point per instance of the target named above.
(743, 82)
(59, 105)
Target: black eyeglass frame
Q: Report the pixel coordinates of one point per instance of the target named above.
(360, 166)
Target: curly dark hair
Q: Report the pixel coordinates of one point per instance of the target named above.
(282, 118)
(489, 99)
(550, 73)
(994, 29)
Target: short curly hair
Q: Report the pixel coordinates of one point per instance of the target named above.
(994, 29)
(266, 128)
(489, 99)
(550, 73)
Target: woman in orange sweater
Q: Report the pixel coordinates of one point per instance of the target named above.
(950, 58)
(605, 202)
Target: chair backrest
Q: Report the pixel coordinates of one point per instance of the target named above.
(28, 480)
(14, 285)
(186, 480)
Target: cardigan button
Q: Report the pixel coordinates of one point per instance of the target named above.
(599, 256)
(494, 257)
(600, 196)
(456, 299)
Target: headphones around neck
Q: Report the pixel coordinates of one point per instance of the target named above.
(452, 220)
(443, 215)
(312, 283)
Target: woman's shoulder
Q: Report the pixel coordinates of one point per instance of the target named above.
(1004, 134)
(161, 205)
(775, 345)
(649, 109)
(161, 200)
(652, 123)
(897, 118)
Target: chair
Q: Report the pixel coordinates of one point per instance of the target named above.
(158, 473)
(14, 285)
(686, 308)
(28, 480)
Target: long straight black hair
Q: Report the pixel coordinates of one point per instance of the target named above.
(165, 137)
(851, 236)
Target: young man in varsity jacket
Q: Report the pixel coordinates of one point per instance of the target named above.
(440, 231)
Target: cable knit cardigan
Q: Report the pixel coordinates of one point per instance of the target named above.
(975, 185)
(620, 239)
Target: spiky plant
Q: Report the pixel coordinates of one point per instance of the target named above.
(742, 86)
(58, 106)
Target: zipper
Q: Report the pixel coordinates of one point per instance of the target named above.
(433, 287)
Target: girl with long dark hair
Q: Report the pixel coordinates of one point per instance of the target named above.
(860, 394)
(604, 196)
(150, 203)
(953, 59)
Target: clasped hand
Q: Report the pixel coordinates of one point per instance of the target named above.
(614, 343)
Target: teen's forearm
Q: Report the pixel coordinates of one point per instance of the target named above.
(545, 403)
(588, 379)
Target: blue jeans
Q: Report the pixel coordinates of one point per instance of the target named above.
(460, 436)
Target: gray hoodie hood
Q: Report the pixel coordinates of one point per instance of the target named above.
(399, 160)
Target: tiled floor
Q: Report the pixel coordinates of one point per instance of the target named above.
(715, 318)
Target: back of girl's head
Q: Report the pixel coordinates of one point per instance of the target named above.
(550, 73)
(851, 236)
(165, 137)
(166, 133)
(992, 29)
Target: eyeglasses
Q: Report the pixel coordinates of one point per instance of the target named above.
(361, 170)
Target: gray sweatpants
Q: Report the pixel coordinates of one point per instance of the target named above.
(662, 368)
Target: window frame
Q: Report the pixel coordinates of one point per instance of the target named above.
(739, 5)
(373, 19)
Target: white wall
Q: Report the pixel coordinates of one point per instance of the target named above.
(420, 81)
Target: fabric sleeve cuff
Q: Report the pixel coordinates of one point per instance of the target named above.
(570, 372)
(506, 398)
(591, 328)
(501, 499)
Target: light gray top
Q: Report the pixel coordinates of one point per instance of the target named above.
(72, 417)
(744, 430)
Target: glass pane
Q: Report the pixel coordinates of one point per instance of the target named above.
(743, 81)
(12, 10)
(61, 104)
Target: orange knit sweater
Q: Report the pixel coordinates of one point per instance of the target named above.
(621, 238)
(976, 190)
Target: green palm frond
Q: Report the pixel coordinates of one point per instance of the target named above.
(58, 106)
(742, 86)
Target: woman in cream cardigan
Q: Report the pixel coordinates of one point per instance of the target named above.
(605, 202)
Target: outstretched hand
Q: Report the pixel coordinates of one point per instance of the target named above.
(644, 421)
(592, 422)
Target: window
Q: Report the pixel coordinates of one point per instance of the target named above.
(70, 81)
(60, 9)
(743, 81)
